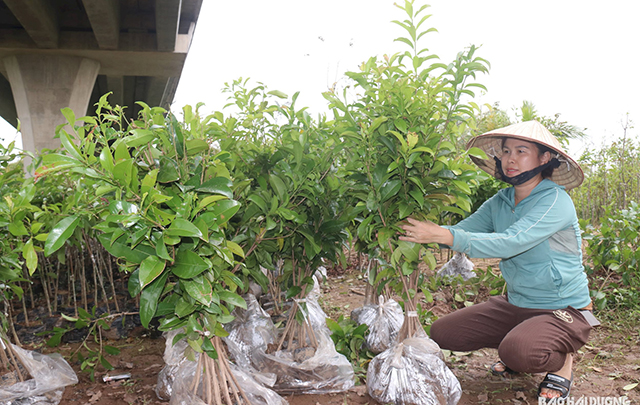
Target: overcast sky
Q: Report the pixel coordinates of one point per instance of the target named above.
(576, 58)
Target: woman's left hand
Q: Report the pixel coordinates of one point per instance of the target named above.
(425, 232)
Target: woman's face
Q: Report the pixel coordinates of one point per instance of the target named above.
(520, 156)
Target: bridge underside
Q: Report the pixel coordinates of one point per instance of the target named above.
(68, 53)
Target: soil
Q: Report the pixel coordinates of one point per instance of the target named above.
(607, 367)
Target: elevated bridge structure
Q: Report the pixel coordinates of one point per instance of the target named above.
(68, 53)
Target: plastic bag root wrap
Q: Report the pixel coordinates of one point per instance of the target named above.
(49, 375)
(412, 373)
(307, 367)
(458, 265)
(384, 321)
(173, 358)
(251, 331)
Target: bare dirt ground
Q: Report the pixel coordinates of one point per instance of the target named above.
(603, 368)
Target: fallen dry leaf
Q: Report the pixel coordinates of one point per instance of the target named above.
(130, 398)
(520, 395)
(597, 369)
(361, 390)
(153, 366)
(95, 397)
(483, 398)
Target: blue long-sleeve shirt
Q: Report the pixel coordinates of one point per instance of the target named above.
(538, 241)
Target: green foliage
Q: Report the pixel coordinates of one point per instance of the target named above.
(90, 357)
(350, 340)
(400, 134)
(562, 130)
(164, 200)
(614, 253)
(611, 178)
(466, 292)
(283, 163)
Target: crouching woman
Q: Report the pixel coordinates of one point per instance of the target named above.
(532, 226)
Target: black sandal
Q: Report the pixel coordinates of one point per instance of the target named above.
(557, 383)
(507, 372)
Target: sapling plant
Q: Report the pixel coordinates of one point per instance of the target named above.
(401, 132)
(167, 198)
(291, 219)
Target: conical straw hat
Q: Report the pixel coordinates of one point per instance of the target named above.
(569, 174)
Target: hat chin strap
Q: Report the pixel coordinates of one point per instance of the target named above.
(523, 177)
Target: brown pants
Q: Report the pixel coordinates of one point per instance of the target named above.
(528, 340)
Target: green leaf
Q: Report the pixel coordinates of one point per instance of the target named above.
(410, 250)
(140, 137)
(217, 185)
(105, 363)
(182, 227)
(60, 233)
(477, 152)
(149, 181)
(233, 299)
(376, 123)
(29, 253)
(133, 285)
(195, 146)
(69, 115)
(199, 289)
(293, 291)
(188, 264)
(208, 200)
(224, 210)
(123, 172)
(69, 146)
(119, 248)
(277, 93)
(390, 189)
(169, 171)
(106, 159)
(278, 185)
(149, 299)
(17, 228)
(150, 269)
(404, 210)
(161, 249)
(235, 248)
(184, 308)
(104, 189)
(114, 351)
(259, 201)
(68, 318)
(461, 185)
(231, 280)
(334, 327)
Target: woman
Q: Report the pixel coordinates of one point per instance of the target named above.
(533, 228)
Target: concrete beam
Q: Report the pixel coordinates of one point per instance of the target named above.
(41, 87)
(38, 18)
(167, 24)
(169, 92)
(117, 63)
(104, 16)
(161, 90)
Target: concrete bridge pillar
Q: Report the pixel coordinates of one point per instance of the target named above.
(44, 84)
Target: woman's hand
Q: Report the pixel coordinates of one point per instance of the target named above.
(426, 232)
